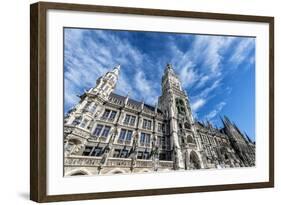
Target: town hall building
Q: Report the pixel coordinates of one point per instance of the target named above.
(106, 133)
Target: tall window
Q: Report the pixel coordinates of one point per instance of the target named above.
(109, 115)
(106, 114)
(87, 150)
(145, 138)
(101, 131)
(105, 131)
(161, 127)
(122, 134)
(93, 151)
(84, 123)
(129, 119)
(124, 154)
(125, 135)
(97, 151)
(112, 115)
(146, 124)
(129, 135)
(133, 119)
(77, 121)
(98, 129)
(143, 155)
(163, 142)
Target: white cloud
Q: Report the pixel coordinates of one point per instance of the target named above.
(89, 55)
(197, 104)
(242, 50)
(188, 76)
(83, 64)
(216, 111)
(145, 88)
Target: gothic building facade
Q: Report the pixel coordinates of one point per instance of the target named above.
(106, 133)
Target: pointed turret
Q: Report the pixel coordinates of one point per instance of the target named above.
(116, 70)
(106, 83)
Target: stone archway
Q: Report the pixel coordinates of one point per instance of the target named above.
(78, 172)
(117, 171)
(194, 161)
(144, 171)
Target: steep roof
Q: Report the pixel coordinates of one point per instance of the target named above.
(132, 102)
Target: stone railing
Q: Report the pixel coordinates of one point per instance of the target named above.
(82, 161)
(86, 161)
(118, 162)
(74, 130)
(144, 144)
(168, 164)
(144, 163)
(124, 142)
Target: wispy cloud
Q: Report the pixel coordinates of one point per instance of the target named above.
(215, 112)
(202, 63)
(243, 50)
(198, 104)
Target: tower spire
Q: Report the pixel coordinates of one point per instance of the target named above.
(116, 70)
(106, 83)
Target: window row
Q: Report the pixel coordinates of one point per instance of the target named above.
(93, 151)
(82, 123)
(122, 153)
(125, 135)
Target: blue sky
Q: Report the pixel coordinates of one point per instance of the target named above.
(217, 72)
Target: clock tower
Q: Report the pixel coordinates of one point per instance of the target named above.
(175, 104)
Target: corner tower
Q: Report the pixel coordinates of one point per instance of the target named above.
(106, 83)
(175, 104)
(85, 113)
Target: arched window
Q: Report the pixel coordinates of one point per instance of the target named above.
(194, 161)
(187, 125)
(189, 139)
